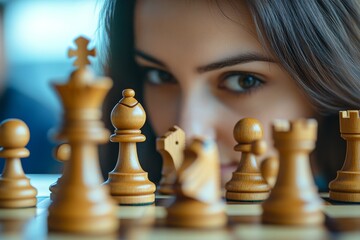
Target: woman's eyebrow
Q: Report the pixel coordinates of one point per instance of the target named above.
(227, 62)
(148, 57)
(242, 58)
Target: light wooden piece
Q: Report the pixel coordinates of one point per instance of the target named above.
(294, 199)
(128, 182)
(82, 53)
(346, 186)
(15, 188)
(171, 147)
(198, 202)
(269, 168)
(247, 183)
(82, 204)
(62, 154)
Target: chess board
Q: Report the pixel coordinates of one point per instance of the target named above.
(147, 222)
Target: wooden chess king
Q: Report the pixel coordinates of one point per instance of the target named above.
(82, 204)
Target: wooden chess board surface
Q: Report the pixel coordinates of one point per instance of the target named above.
(147, 222)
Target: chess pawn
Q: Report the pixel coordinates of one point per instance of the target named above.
(198, 202)
(62, 154)
(269, 169)
(15, 188)
(294, 200)
(171, 147)
(247, 183)
(128, 182)
(346, 187)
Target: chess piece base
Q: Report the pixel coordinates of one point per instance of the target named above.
(83, 225)
(299, 208)
(17, 193)
(316, 218)
(131, 188)
(189, 213)
(135, 200)
(344, 196)
(247, 187)
(86, 217)
(345, 187)
(80, 210)
(246, 197)
(18, 203)
(15, 220)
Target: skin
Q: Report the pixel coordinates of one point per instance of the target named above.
(205, 69)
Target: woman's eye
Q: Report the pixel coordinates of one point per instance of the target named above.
(157, 76)
(240, 82)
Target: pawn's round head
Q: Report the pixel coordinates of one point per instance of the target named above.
(248, 130)
(14, 133)
(127, 93)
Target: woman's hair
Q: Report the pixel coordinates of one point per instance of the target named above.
(316, 41)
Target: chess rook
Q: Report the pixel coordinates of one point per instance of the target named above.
(346, 187)
(198, 202)
(82, 204)
(247, 183)
(294, 199)
(15, 188)
(171, 147)
(128, 182)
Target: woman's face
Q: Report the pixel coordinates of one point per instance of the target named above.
(205, 69)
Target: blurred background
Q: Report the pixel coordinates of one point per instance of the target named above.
(35, 36)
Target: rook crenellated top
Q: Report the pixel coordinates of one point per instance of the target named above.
(301, 129)
(350, 121)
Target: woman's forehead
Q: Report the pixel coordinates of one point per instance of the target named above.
(185, 10)
(194, 27)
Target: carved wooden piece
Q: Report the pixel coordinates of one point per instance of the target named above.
(198, 201)
(62, 154)
(128, 182)
(15, 188)
(346, 186)
(171, 147)
(82, 204)
(247, 183)
(269, 168)
(294, 199)
(82, 53)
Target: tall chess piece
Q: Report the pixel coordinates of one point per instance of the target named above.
(247, 183)
(82, 204)
(346, 187)
(294, 200)
(128, 182)
(171, 147)
(15, 188)
(198, 202)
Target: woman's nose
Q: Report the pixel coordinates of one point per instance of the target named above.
(197, 113)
